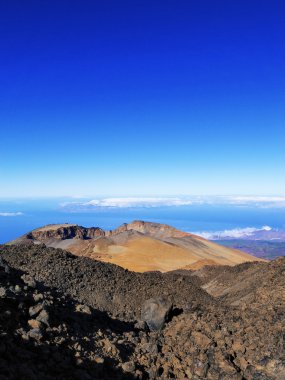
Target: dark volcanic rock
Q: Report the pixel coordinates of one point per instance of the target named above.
(155, 312)
(78, 320)
(69, 232)
(72, 346)
(106, 287)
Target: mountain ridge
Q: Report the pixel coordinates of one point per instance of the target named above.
(139, 246)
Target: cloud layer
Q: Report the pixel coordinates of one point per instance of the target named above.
(11, 213)
(129, 203)
(235, 233)
(258, 201)
(149, 202)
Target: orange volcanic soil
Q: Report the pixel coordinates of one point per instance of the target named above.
(138, 246)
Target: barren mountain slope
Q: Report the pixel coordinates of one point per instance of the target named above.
(245, 283)
(138, 246)
(86, 328)
(105, 286)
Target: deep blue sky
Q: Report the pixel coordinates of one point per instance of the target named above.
(142, 97)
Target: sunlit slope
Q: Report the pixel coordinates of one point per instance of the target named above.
(147, 254)
(138, 246)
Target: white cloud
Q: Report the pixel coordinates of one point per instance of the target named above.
(149, 202)
(235, 233)
(11, 213)
(258, 201)
(129, 202)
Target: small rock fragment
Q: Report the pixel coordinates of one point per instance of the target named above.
(128, 367)
(29, 280)
(35, 334)
(43, 317)
(83, 309)
(34, 324)
(3, 292)
(34, 310)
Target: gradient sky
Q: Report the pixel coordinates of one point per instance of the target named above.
(142, 97)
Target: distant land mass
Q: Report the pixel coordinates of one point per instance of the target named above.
(260, 248)
(138, 246)
(265, 233)
(264, 242)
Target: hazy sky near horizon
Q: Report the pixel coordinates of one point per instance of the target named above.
(134, 98)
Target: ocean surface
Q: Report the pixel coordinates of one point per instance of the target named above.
(20, 216)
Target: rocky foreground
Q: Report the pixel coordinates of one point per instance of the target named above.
(69, 317)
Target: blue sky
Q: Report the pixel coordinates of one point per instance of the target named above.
(147, 98)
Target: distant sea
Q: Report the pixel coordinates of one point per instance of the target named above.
(20, 216)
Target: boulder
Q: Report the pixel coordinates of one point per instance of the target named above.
(155, 312)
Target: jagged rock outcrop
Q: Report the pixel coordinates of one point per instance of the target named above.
(157, 230)
(66, 232)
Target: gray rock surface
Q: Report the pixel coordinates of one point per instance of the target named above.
(155, 312)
